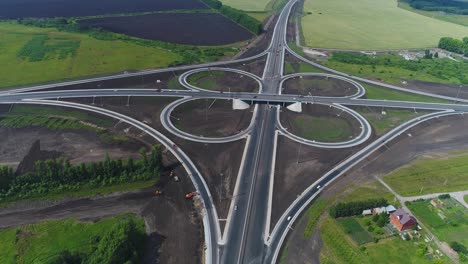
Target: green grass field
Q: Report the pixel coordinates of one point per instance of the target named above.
(370, 190)
(204, 79)
(441, 70)
(247, 5)
(430, 176)
(40, 243)
(290, 68)
(381, 93)
(372, 25)
(68, 55)
(454, 226)
(457, 19)
(325, 129)
(392, 118)
(313, 215)
(260, 16)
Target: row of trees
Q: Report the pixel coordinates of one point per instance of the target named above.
(60, 175)
(355, 208)
(123, 243)
(237, 16)
(454, 45)
(448, 6)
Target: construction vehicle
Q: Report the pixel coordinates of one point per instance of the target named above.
(190, 195)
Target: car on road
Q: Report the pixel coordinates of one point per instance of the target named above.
(289, 218)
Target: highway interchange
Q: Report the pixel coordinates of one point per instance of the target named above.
(247, 237)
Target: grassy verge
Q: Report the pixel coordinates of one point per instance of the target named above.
(371, 25)
(393, 68)
(325, 129)
(299, 67)
(260, 16)
(448, 222)
(465, 198)
(426, 176)
(370, 190)
(205, 79)
(392, 118)
(452, 18)
(44, 242)
(57, 119)
(313, 214)
(381, 93)
(87, 192)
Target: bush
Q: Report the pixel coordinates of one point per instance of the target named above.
(459, 248)
(444, 196)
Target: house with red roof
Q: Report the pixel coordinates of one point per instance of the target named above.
(402, 220)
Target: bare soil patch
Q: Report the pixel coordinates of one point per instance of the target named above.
(218, 163)
(64, 8)
(453, 90)
(254, 66)
(321, 123)
(168, 217)
(210, 118)
(297, 167)
(318, 86)
(206, 29)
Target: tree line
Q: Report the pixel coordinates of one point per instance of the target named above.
(237, 16)
(448, 6)
(355, 208)
(57, 175)
(123, 243)
(454, 45)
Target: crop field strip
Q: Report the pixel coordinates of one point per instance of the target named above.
(370, 25)
(204, 29)
(64, 8)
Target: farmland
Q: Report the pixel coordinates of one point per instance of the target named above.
(92, 57)
(371, 24)
(45, 242)
(64, 8)
(204, 29)
(448, 222)
(457, 19)
(425, 176)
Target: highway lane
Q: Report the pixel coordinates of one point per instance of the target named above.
(248, 224)
(264, 97)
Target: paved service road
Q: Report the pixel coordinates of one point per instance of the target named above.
(247, 237)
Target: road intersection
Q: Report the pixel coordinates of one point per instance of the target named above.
(247, 237)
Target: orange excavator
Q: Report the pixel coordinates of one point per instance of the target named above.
(190, 195)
